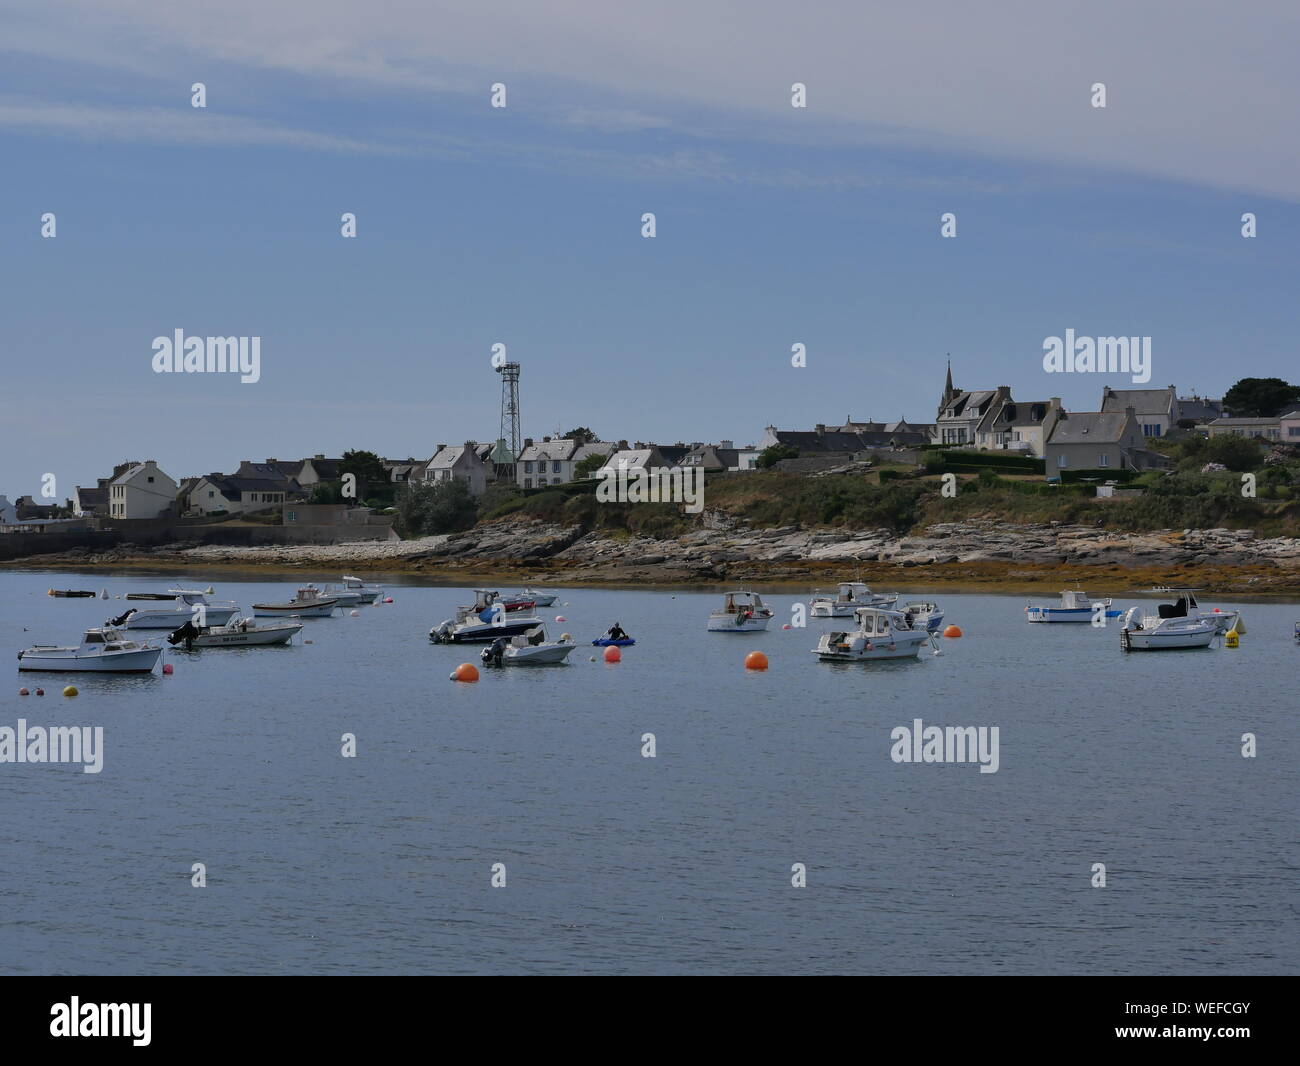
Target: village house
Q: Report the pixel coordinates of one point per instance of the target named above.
(1289, 426)
(1017, 425)
(1160, 410)
(640, 457)
(460, 462)
(1269, 429)
(232, 494)
(830, 441)
(141, 490)
(1099, 440)
(722, 456)
(961, 412)
(554, 461)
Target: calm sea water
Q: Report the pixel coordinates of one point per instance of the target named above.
(617, 863)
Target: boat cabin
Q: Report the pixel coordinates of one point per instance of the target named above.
(107, 637)
(1075, 600)
(742, 601)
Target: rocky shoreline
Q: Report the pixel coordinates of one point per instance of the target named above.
(976, 554)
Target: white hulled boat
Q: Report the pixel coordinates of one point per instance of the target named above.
(536, 597)
(741, 612)
(368, 591)
(881, 634)
(1221, 620)
(239, 633)
(178, 606)
(527, 649)
(1170, 627)
(104, 650)
(927, 616)
(486, 619)
(1075, 606)
(307, 603)
(848, 597)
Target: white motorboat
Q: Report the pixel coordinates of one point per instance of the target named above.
(104, 650)
(741, 612)
(1169, 628)
(174, 608)
(848, 597)
(1075, 606)
(881, 634)
(343, 598)
(486, 619)
(927, 616)
(534, 596)
(239, 633)
(307, 603)
(1221, 620)
(366, 590)
(527, 649)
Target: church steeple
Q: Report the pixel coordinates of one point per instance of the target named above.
(947, 385)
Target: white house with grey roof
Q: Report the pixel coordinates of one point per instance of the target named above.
(1160, 410)
(460, 462)
(142, 490)
(553, 461)
(961, 412)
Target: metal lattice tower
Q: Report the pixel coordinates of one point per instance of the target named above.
(510, 407)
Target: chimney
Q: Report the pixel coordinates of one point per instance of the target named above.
(440, 448)
(546, 440)
(1131, 411)
(622, 446)
(249, 462)
(727, 445)
(1004, 392)
(528, 442)
(821, 427)
(1055, 401)
(318, 455)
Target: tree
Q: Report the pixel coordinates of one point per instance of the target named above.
(1236, 453)
(1260, 397)
(369, 471)
(444, 507)
(588, 466)
(582, 435)
(769, 457)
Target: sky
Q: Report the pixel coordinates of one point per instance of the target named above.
(522, 225)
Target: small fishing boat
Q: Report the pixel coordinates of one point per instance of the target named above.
(70, 593)
(103, 650)
(527, 649)
(848, 597)
(535, 597)
(1171, 627)
(183, 604)
(1075, 606)
(484, 620)
(605, 642)
(307, 603)
(343, 598)
(741, 612)
(366, 590)
(927, 616)
(1220, 619)
(881, 634)
(239, 633)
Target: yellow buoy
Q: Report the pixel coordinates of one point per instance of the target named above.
(71, 690)
(1231, 639)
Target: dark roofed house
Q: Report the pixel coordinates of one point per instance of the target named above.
(234, 494)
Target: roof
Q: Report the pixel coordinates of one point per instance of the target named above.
(232, 485)
(1023, 413)
(1087, 427)
(1246, 421)
(326, 469)
(91, 497)
(548, 450)
(1143, 401)
(633, 458)
(449, 456)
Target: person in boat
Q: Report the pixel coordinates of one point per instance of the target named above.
(617, 632)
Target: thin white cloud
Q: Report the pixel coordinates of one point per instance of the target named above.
(1200, 93)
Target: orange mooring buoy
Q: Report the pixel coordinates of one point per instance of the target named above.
(952, 631)
(613, 655)
(465, 672)
(755, 660)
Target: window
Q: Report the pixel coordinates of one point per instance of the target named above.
(1293, 431)
(555, 466)
(151, 481)
(528, 482)
(1103, 460)
(1062, 462)
(292, 516)
(528, 467)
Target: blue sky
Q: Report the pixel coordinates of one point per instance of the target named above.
(522, 225)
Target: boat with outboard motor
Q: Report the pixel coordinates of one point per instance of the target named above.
(241, 632)
(880, 634)
(306, 603)
(103, 650)
(182, 604)
(1172, 626)
(528, 649)
(366, 590)
(487, 618)
(1075, 606)
(741, 612)
(848, 597)
(1220, 619)
(927, 616)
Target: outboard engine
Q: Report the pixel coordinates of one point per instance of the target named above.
(1132, 618)
(495, 652)
(121, 618)
(441, 633)
(186, 633)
